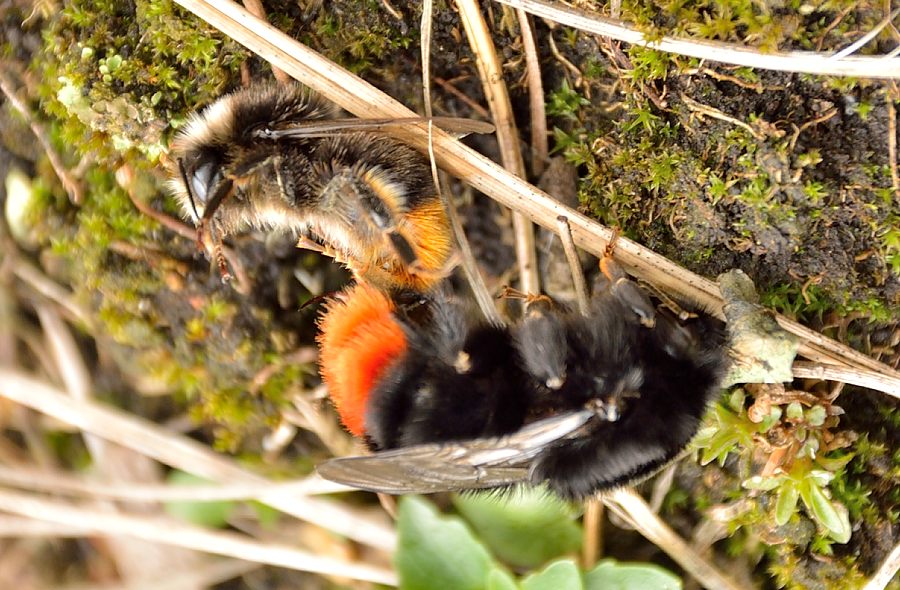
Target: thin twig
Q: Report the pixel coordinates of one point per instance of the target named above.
(853, 47)
(491, 75)
(449, 87)
(565, 62)
(702, 109)
(891, 96)
(72, 185)
(255, 7)
(168, 531)
(540, 148)
(758, 87)
(361, 98)
(53, 291)
(183, 453)
(792, 61)
(837, 20)
(20, 526)
(74, 372)
(581, 292)
(807, 124)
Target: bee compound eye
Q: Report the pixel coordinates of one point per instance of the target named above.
(204, 179)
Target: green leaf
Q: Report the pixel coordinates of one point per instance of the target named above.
(794, 412)
(612, 575)
(820, 477)
(210, 514)
(525, 528)
(758, 482)
(832, 517)
(736, 400)
(786, 503)
(815, 416)
(500, 579)
(560, 575)
(436, 552)
(835, 463)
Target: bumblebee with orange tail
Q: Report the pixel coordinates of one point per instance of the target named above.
(584, 403)
(273, 157)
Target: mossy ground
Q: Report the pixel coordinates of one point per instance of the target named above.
(786, 176)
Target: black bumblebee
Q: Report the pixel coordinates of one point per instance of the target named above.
(583, 402)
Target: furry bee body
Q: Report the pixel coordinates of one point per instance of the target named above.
(472, 390)
(365, 197)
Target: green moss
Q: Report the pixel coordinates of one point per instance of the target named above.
(115, 73)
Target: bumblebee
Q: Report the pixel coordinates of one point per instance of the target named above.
(583, 402)
(272, 157)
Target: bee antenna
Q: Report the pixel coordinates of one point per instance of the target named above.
(187, 188)
(223, 191)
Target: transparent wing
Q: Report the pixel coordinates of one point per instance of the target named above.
(466, 465)
(328, 127)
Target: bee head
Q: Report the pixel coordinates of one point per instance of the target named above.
(221, 142)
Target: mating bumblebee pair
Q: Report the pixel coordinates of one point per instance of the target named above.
(583, 402)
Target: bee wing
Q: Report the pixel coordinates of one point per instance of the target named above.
(465, 465)
(328, 127)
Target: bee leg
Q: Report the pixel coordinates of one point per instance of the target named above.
(357, 269)
(306, 243)
(529, 298)
(615, 281)
(541, 341)
(681, 313)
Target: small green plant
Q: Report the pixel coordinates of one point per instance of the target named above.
(437, 551)
(798, 467)
(565, 102)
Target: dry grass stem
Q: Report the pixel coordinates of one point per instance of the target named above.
(470, 267)
(886, 572)
(491, 74)
(885, 383)
(66, 485)
(23, 527)
(361, 98)
(449, 87)
(592, 546)
(256, 8)
(581, 291)
(540, 148)
(210, 573)
(793, 61)
(166, 531)
(70, 183)
(628, 505)
(41, 283)
(183, 453)
(859, 43)
(892, 96)
(702, 109)
(425, 44)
